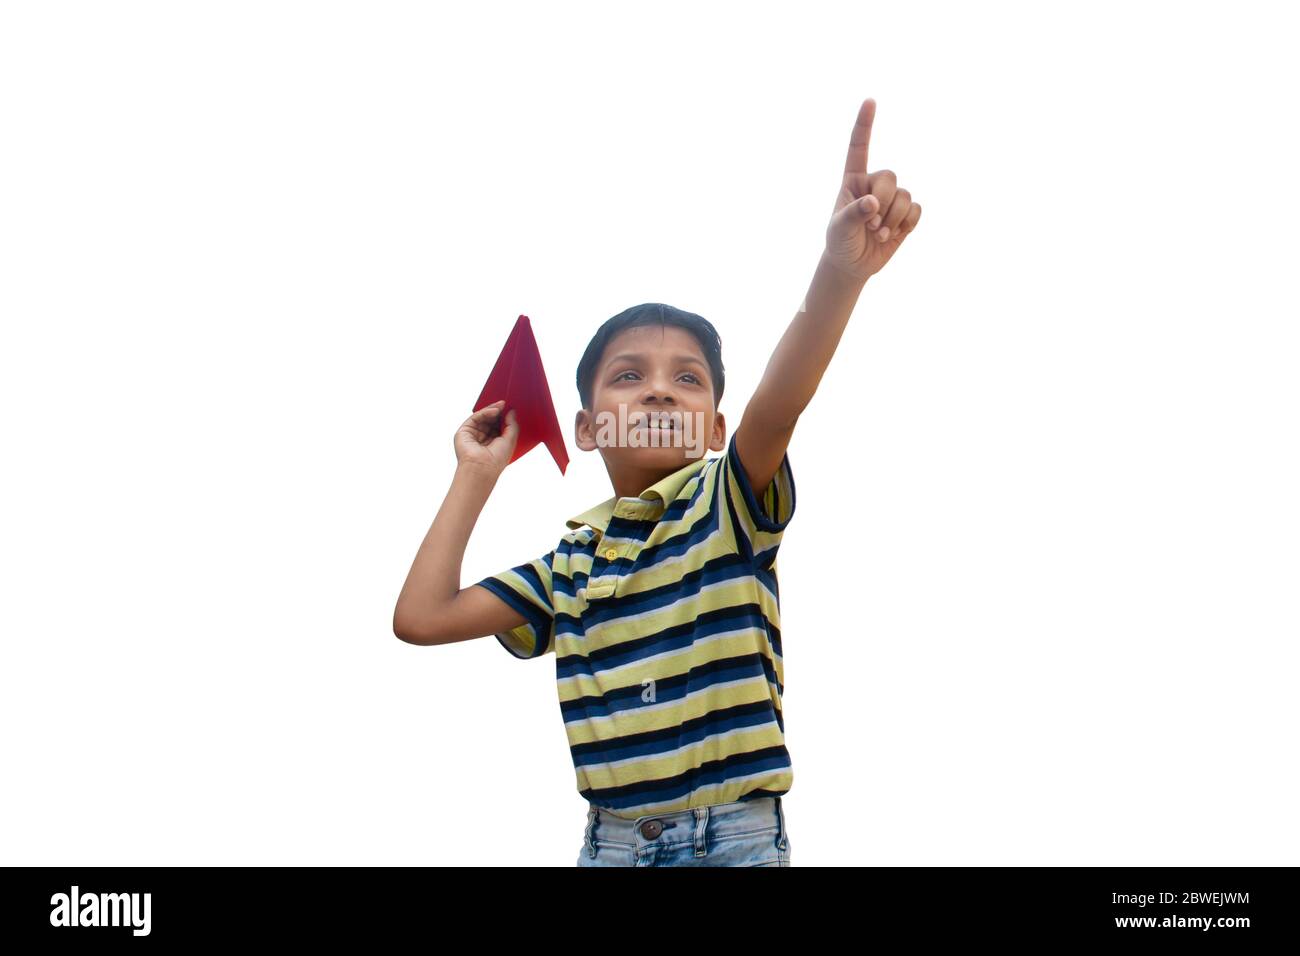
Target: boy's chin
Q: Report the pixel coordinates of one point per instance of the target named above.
(663, 456)
(654, 455)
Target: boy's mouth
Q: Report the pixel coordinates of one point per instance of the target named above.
(663, 422)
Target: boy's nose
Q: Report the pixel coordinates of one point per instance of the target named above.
(654, 396)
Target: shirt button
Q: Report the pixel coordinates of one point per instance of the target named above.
(651, 829)
(611, 554)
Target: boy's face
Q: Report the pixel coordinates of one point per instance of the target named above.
(649, 377)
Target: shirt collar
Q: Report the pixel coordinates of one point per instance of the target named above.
(665, 490)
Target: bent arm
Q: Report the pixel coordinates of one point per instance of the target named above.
(432, 608)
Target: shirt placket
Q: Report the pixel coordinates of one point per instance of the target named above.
(619, 554)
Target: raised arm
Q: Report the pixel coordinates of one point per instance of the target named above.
(432, 608)
(871, 218)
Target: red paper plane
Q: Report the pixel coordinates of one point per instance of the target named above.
(519, 378)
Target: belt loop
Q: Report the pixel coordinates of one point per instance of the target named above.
(701, 830)
(780, 825)
(589, 838)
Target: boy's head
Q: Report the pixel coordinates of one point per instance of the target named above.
(650, 383)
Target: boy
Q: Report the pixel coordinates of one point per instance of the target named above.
(661, 603)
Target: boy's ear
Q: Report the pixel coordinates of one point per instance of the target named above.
(584, 430)
(718, 440)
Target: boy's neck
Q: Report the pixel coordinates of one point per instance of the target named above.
(631, 482)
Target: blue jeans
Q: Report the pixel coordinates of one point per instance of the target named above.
(744, 833)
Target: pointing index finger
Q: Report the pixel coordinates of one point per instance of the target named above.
(856, 161)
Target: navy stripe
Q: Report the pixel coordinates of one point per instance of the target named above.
(667, 639)
(676, 687)
(718, 570)
(761, 520)
(726, 567)
(534, 580)
(707, 774)
(655, 743)
(681, 543)
(631, 529)
(741, 530)
(532, 614)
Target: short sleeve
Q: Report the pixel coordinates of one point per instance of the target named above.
(527, 589)
(758, 518)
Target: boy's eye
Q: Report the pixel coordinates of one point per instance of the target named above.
(695, 379)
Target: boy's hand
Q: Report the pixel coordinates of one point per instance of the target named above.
(872, 215)
(482, 444)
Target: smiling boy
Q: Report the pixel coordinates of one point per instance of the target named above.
(661, 603)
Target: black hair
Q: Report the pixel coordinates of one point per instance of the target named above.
(651, 313)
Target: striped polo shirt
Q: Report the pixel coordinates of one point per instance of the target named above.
(664, 617)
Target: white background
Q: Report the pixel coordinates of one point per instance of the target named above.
(1040, 591)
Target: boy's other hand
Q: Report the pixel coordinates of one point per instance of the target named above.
(872, 215)
(481, 442)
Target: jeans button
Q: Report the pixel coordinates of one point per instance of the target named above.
(651, 829)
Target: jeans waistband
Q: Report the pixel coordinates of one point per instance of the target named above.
(696, 825)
